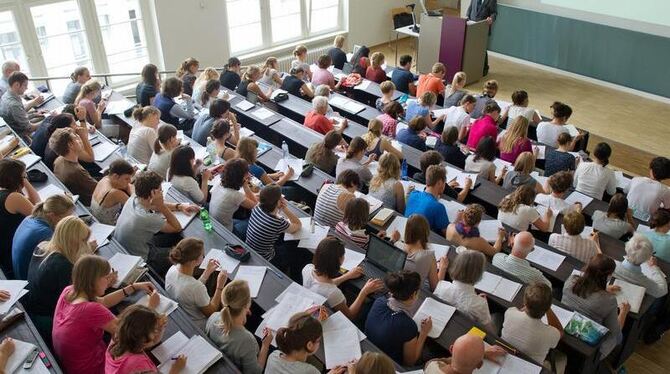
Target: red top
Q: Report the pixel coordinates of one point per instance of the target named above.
(429, 82)
(482, 128)
(318, 122)
(376, 75)
(521, 145)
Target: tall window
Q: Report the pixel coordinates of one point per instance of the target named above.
(10, 44)
(285, 19)
(244, 24)
(324, 15)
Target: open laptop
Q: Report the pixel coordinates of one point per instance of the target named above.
(384, 256)
(252, 97)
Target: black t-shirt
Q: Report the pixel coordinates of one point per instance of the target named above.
(451, 154)
(230, 80)
(292, 85)
(338, 57)
(144, 93)
(47, 278)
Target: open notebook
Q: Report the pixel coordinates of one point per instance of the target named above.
(439, 312)
(126, 266)
(201, 355)
(498, 286)
(16, 289)
(631, 293)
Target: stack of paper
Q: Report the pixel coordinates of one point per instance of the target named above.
(30, 159)
(16, 291)
(244, 105)
(124, 264)
(165, 306)
(498, 286)
(453, 207)
(631, 293)
(398, 223)
(373, 201)
(226, 262)
(460, 176)
(295, 290)
(340, 347)
(254, 275)
(439, 312)
(100, 232)
(564, 316)
(489, 229)
(201, 355)
(295, 163)
(352, 259)
(500, 165)
(51, 190)
(622, 181)
(545, 258)
(578, 197)
(279, 315)
(21, 351)
(262, 114)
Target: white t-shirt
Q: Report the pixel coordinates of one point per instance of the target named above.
(593, 180)
(516, 111)
(141, 143)
(464, 297)
(190, 293)
(529, 335)
(225, 202)
(646, 195)
(457, 117)
(334, 296)
(548, 133)
(556, 204)
(189, 187)
(525, 215)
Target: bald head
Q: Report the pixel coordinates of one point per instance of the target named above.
(523, 244)
(8, 67)
(467, 353)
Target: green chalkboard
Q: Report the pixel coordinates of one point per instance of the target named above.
(628, 58)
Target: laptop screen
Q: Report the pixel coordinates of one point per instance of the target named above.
(385, 255)
(252, 97)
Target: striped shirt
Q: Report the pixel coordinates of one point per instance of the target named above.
(519, 268)
(326, 210)
(264, 230)
(574, 245)
(359, 237)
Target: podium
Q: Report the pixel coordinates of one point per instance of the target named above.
(456, 42)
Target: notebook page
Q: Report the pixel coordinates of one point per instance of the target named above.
(518, 365)
(100, 232)
(21, 351)
(578, 197)
(254, 275)
(304, 232)
(545, 258)
(439, 312)
(631, 293)
(340, 321)
(439, 250)
(507, 289)
(352, 259)
(283, 311)
(170, 347)
(564, 316)
(123, 264)
(453, 207)
(295, 290)
(399, 224)
(226, 262)
(340, 346)
(103, 150)
(488, 283)
(295, 163)
(201, 355)
(165, 306)
(489, 229)
(262, 113)
(312, 241)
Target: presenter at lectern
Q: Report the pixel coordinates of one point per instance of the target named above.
(480, 10)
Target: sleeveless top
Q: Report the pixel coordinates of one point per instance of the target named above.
(10, 222)
(165, 104)
(292, 85)
(326, 210)
(242, 88)
(108, 215)
(385, 193)
(377, 150)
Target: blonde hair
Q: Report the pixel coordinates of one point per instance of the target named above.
(57, 205)
(208, 74)
(517, 131)
(339, 41)
(235, 298)
(377, 59)
(428, 98)
(389, 168)
(300, 49)
(438, 67)
(70, 239)
(87, 88)
(269, 63)
(458, 81)
(525, 163)
(387, 87)
(251, 72)
(246, 149)
(374, 131)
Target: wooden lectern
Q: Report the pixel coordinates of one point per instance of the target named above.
(458, 44)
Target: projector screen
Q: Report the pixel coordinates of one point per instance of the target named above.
(649, 11)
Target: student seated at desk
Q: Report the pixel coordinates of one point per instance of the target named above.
(454, 93)
(520, 175)
(248, 84)
(80, 76)
(466, 233)
(8, 67)
(295, 85)
(617, 221)
(82, 315)
(86, 98)
(36, 228)
(432, 82)
(148, 88)
(186, 73)
(138, 330)
(374, 72)
(354, 222)
(519, 108)
(392, 111)
(296, 342)
(175, 114)
(489, 91)
(639, 250)
(191, 293)
(230, 77)
(12, 109)
(182, 175)
(467, 355)
(323, 277)
(227, 198)
(145, 214)
(270, 74)
(300, 61)
(322, 155)
(378, 144)
(316, 118)
(659, 237)
(386, 185)
(447, 146)
(481, 161)
(429, 158)
(524, 329)
(387, 88)
(403, 78)
(413, 135)
(354, 160)
(389, 325)
(227, 330)
(210, 92)
(67, 121)
(594, 178)
(559, 184)
(590, 295)
(646, 194)
(426, 202)
(337, 54)
(50, 270)
(373, 362)
(514, 141)
(112, 192)
(15, 205)
(548, 132)
(560, 159)
(247, 150)
(143, 136)
(516, 264)
(484, 126)
(219, 109)
(333, 197)
(200, 86)
(465, 271)
(518, 210)
(68, 145)
(421, 108)
(571, 242)
(419, 258)
(166, 142)
(459, 117)
(322, 75)
(360, 61)
(324, 90)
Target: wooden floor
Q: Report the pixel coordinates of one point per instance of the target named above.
(636, 128)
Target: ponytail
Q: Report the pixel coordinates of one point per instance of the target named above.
(302, 329)
(235, 298)
(141, 113)
(165, 133)
(78, 71)
(58, 205)
(183, 68)
(299, 50)
(186, 250)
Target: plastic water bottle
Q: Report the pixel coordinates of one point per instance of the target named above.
(211, 151)
(284, 148)
(206, 222)
(403, 171)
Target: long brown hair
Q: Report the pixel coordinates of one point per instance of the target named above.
(594, 279)
(523, 194)
(133, 333)
(330, 141)
(186, 66)
(302, 329)
(86, 272)
(187, 250)
(165, 132)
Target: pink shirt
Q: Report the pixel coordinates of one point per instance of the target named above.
(90, 108)
(128, 363)
(77, 334)
(389, 125)
(522, 145)
(482, 128)
(323, 76)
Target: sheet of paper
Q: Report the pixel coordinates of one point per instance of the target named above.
(578, 197)
(439, 112)
(339, 321)
(354, 107)
(417, 186)
(29, 159)
(254, 275)
(398, 223)
(622, 181)
(507, 289)
(118, 106)
(246, 133)
(543, 210)
(123, 264)
(244, 105)
(15, 288)
(104, 150)
(166, 350)
(21, 351)
(439, 250)
(295, 163)
(439, 312)
(100, 232)
(363, 85)
(453, 207)
(516, 365)
(631, 293)
(315, 238)
(459, 176)
(500, 165)
(262, 113)
(201, 355)
(352, 259)
(165, 306)
(643, 228)
(282, 312)
(572, 130)
(49, 191)
(226, 262)
(489, 229)
(373, 201)
(294, 290)
(340, 347)
(304, 232)
(488, 283)
(541, 151)
(338, 101)
(545, 258)
(564, 316)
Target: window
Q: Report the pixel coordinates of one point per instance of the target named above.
(244, 25)
(324, 15)
(10, 44)
(285, 19)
